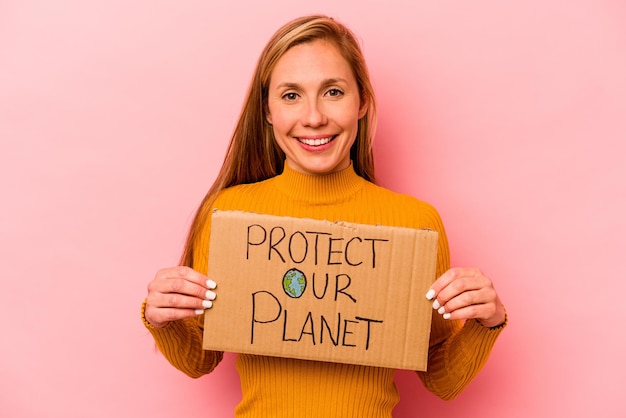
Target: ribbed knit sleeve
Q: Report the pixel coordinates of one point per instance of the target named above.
(180, 342)
(457, 359)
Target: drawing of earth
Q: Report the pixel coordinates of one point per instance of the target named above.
(294, 283)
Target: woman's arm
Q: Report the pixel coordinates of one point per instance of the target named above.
(468, 316)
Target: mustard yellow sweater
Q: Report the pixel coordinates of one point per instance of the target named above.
(278, 387)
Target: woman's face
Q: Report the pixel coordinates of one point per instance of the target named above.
(314, 107)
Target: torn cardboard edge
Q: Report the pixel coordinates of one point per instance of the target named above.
(319, 290)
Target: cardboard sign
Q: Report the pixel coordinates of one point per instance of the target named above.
(317, 290)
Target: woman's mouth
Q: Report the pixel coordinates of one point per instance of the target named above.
(315, 142)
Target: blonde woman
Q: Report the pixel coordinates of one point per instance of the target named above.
(303, 148)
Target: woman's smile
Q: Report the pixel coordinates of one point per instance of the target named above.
(315, 142)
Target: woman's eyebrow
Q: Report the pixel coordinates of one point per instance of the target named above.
(334, 81)
(288, 85)
(291, 85)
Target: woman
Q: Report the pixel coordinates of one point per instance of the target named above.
(302, 148)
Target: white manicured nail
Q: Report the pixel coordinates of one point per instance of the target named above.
(441, 310)
(211, 284)
(430, 294)
(199, 311)
(446, 316)
(207, 304)
(210, 295)
(436, 304)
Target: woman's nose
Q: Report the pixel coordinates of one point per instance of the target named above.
(314, 114)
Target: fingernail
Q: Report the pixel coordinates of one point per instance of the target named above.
(436, 304)
(442, 310)
(207, 304)
(446, 316)
(211, 284)
(210, 295)
(199, 311)
(430, 294)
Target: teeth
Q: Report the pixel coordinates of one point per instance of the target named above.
(315, 142)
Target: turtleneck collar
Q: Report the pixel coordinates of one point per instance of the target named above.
(319, 189)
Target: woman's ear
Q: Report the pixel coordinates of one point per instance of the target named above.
(268, 116)
(365, 104)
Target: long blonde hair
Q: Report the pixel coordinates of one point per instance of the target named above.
(253, 154)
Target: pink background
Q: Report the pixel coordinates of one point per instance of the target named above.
(509, 116)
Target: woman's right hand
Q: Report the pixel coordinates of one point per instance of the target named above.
(177, 293)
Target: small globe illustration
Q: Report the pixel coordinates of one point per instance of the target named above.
(294, 283)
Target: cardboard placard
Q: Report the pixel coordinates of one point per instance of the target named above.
(317, 290)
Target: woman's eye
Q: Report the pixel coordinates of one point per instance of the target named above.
(334, 92)
(290, 96)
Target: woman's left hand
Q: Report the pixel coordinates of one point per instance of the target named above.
(466, 293)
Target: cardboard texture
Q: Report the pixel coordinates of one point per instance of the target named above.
(317, 290)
